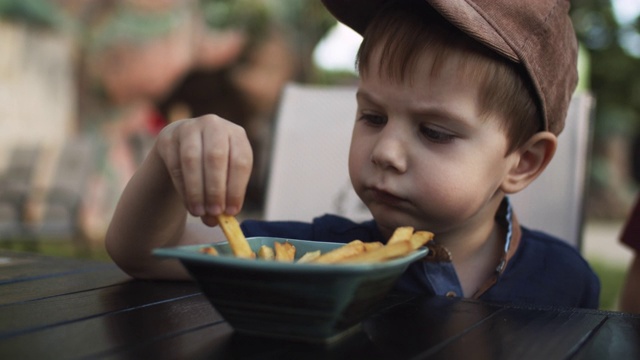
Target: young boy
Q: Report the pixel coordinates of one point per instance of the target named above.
(452, 115)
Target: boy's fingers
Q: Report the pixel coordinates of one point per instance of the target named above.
(175, 171)
(209, 160)
(240, 167)
(167, 149)
(190, 157)
(210, 220)
(215, 168)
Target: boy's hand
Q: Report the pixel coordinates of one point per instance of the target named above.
(209, 160)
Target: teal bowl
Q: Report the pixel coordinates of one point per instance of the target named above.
(308, 302)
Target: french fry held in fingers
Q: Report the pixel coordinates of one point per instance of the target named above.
(238, 242)
(285, 252)
(391, 251)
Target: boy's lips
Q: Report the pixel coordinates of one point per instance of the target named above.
(385, 197)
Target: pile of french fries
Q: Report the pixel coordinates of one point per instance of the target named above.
(403, 242)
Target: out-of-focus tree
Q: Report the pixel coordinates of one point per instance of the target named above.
(614, 50)
(612, 41)
(37, 13)
(302, 23)
(281, 36)
(142, 63)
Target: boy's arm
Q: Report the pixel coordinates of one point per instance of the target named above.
(152, 213)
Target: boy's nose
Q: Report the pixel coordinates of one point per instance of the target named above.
(389, 152)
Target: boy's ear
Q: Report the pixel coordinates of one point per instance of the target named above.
(529, 161)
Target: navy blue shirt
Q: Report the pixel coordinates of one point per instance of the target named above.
(537, 268)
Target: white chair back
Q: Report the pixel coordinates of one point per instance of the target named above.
(554, 202)
(309, 176)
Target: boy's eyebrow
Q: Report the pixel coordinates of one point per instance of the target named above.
(360, 94)
(432, 111)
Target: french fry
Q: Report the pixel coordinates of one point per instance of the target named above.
(394, 250)
(370, 246)
(402, 242)
(401, 233)
(384, 253)
(285, 252)
(309, 256)
(209, 250)
(419, 238)
(266, 253)
(350, 249)
(237, 241)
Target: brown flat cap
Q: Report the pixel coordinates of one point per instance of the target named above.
(535, 33)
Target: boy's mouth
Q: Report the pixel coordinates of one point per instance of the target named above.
(386, 198)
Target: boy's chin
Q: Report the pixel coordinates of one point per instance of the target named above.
(390, 218)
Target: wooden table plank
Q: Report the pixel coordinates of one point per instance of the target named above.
(31, 316)
(21, 266)
(111, 333)
(617, 338)
(221, 342)
(68, 308)
(36, 288)
(397, 334)
(522, 333)
(211, 341)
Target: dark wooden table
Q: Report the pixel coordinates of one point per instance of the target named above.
(59, 308)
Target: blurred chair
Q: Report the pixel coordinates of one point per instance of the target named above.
(64, 195)
(309, 174)
(555, 201)
(15, 189)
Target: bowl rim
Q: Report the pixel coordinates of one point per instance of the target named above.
(191, 254)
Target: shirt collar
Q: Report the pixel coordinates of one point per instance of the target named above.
(505, 217)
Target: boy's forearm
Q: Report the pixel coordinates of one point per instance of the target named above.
(150, 214)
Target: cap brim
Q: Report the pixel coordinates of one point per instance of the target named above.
(358, 13)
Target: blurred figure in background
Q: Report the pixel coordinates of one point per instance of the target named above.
(135, 53)
(151, 62)
(137, 65)
(630, 298)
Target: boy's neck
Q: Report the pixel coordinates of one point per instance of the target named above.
(475, 253)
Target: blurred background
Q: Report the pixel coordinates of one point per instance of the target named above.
(85, 85)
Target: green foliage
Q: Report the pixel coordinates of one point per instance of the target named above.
(305, 23)
(37, 13)
(611, 279)
(55, 247)
(252, 16)
(615, 65)
(128, 24)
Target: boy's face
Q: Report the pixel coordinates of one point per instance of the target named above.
(420, 153)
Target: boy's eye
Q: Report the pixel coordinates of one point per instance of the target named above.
(436, 136)
(373, 119)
